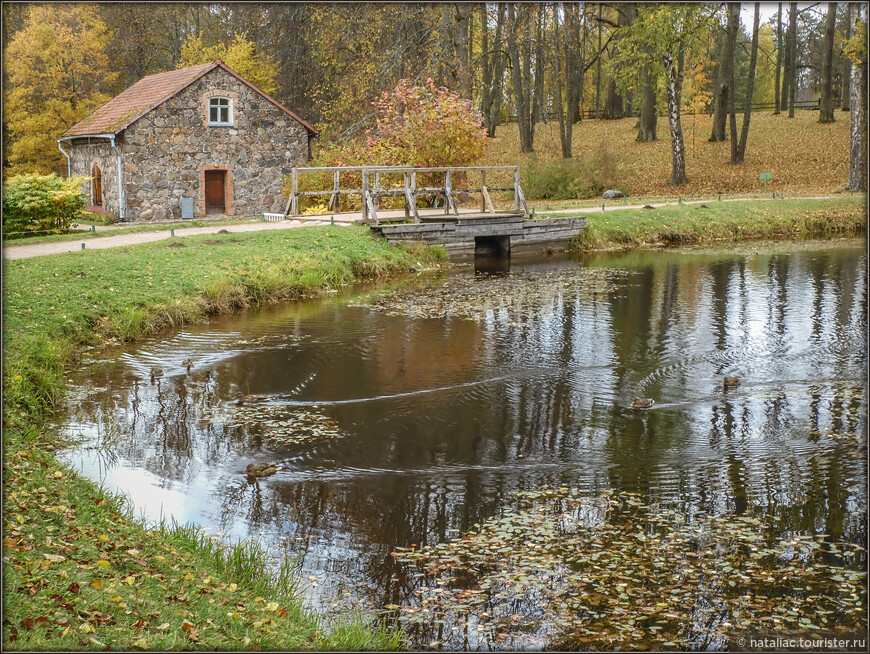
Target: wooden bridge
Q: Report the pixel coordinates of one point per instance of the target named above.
(500, 224)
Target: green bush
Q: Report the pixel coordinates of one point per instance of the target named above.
(41, 204)
(572, 179)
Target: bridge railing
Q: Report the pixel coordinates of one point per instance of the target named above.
(373, 188)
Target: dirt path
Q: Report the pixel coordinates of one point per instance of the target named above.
(161, 233)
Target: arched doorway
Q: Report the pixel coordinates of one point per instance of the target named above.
(97, 185)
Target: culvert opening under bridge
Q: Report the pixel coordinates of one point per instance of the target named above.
(492, 246)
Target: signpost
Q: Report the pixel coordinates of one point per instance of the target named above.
(765, 177)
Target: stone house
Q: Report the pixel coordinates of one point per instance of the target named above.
(191, 142)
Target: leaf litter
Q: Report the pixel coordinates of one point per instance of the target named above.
(286, 426)
(611, 572)
(523, 295)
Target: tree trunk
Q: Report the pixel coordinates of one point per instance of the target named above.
(562, 49)
(678, 147)
(786, 67)
(573, 63)
(492, 65)
(646, 126)
(725, 75)
(615, 105)
(498, 73)
(486, 73)
(538, 92)
(750, 86)
(792, 57)
(527, 90)
(826, 103)
(778, 59)
(858, 124)
(581, 72)
(520, 97)
(847, 64)
(598, 76)
(461, 20)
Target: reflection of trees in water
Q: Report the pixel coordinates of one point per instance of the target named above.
(549, 408)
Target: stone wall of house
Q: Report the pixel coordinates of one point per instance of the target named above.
(84, 156)
(167, 151)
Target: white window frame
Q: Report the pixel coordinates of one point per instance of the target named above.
(219, 107)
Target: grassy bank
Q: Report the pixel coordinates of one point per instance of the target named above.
(80, 572)
(717, 221)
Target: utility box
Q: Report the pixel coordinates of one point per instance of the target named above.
(186, 208)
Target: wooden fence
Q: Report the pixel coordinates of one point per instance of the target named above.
(373, 189)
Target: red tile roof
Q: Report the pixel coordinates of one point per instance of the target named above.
(149, 92)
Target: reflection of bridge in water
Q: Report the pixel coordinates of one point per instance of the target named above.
(498, 226)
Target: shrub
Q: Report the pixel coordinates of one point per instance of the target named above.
(573, 179)
(426, 126)
(41, 203)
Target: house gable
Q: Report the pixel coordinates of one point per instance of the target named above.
(152, 91)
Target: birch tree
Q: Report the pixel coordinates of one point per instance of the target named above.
(660, 36)
(857, 52)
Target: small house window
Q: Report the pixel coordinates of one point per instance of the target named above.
(220, 111)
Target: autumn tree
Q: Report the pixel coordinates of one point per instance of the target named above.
(426, 126)
(240, 55)
(57, 73)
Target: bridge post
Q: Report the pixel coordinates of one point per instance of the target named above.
(335, 200)
(448, 193)
(365, 194)
(407, 184)
(376, 198)
(414, 196)
(516, 188)
(294, 192)
(482, 191)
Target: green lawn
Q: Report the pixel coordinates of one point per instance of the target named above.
(738, 220)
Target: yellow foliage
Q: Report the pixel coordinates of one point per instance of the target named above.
(58, 71)
(240, 55)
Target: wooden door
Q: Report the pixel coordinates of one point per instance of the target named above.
(97, 186)
(215, 189)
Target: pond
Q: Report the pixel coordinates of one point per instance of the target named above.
(459, 453)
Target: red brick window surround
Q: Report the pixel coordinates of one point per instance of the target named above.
(225, 106)
(228, 187)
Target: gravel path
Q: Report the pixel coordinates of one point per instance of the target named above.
(99, 243)
(103, 242)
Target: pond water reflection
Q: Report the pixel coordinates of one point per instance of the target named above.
(408, 413)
